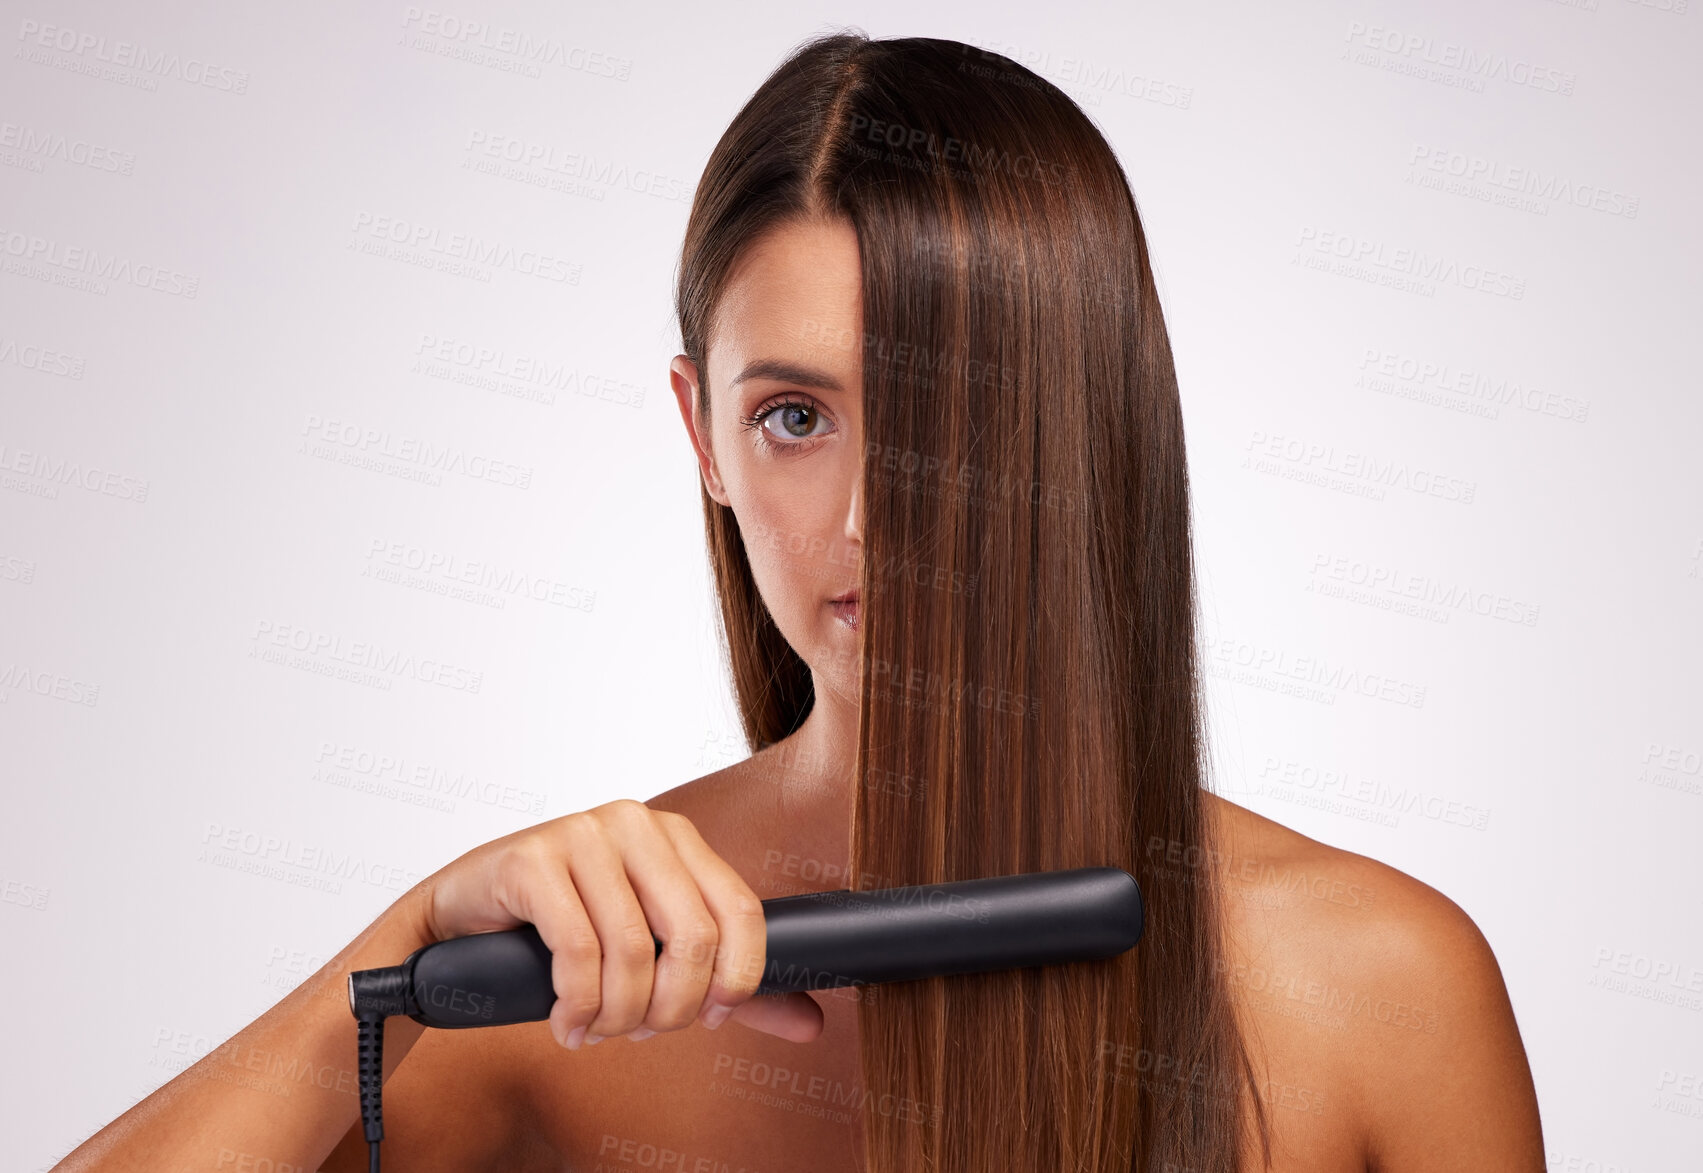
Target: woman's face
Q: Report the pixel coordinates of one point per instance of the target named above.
(783, 442)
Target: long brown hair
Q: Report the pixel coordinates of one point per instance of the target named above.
(1024, 436)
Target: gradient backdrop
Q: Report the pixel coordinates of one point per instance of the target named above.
(348, 522)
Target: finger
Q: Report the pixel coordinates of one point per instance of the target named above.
(794, 1016)
(742, 931)
(670, 892)
(603, 872)
(536, 887)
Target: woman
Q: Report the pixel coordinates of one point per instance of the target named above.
(927, 381)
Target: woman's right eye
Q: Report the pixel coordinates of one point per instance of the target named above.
(796, 419)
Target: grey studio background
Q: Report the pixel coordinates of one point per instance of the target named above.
(348, 521)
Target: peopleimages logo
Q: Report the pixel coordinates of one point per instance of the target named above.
(47, 473)
(41, 359)
(279, 642)
(1466, 385)
(129, 55)
(280, 857)
(471, 35)
(51, 144)
(451, 569)
(1523, 180)
(1474, 64)
(462, 246)
(327, 437)
(1360, 254)
(538, 157)
(1269, 453)
(86, 267)
(947, 150)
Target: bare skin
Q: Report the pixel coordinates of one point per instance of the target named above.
(1372, 1005)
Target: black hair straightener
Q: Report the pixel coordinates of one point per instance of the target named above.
(816, 940)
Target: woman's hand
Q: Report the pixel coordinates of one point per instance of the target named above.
(599, 885)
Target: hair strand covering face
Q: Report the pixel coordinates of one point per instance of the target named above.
(1023, 434)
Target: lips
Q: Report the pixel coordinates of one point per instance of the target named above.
(846, 608)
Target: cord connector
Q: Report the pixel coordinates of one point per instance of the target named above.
(374, 995)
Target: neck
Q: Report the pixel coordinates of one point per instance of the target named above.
(829, 735)
(812, 767)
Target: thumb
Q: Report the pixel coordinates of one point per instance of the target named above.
(794, 1015)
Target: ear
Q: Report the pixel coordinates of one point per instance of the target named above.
(683, 375)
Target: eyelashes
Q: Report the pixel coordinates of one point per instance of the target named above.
(766, 439)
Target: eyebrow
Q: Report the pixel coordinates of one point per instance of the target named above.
(784, 371)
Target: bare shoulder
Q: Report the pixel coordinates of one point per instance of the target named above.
(774, 816)
(708, 795)
(725, 807)
(1375, 981)
(1270, 866)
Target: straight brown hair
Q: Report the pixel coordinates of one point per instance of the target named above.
(1024, 435)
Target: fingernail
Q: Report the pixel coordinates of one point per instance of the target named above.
(716, 1015)
(591, 1039)
(575, 1037)
(639, 1033)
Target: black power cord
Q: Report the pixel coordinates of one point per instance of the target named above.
(487, 979)
(374, 995)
